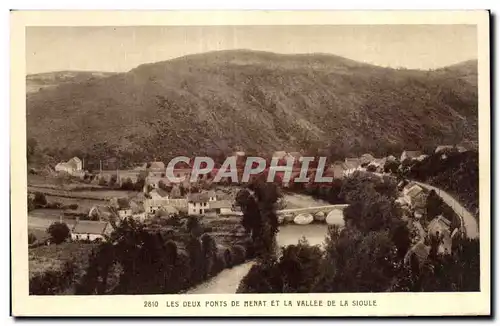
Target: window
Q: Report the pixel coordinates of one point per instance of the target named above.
(201, 211)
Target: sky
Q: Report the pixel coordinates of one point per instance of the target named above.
(119, 49)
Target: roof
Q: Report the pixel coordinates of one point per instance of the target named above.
(62, 164)
(92, 227)
(169, 209)
(160, 192)
(415, 190)
(155, 165)
(279, 154)
(295, 154)
(220, 204)
(198, 197)
(411, 154)
(366, 158)
(352, 163)
(439, 222)
(103, 209)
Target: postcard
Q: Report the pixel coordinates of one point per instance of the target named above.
(250, 163)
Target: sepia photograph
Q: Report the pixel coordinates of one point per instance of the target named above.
(250, 159)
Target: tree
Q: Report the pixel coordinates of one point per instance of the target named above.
(258, 204)
(58, 232)
(113, 180)
(40, 200)
(371, 202)
(31, 146)
(433, 205)
(31, 238)
(127, 184)
(102, 181)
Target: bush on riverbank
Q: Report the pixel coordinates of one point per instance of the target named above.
(354, 262)
(166, 261)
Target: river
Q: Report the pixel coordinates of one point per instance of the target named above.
(229, 279)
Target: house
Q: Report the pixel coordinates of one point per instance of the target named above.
(91, 231)
(366, 159)
(221, 207)
(76, 163)
(422, 157)
(279, 154)
(449, 148)
(102, 213)
(72, 166)
(122, 206)
(337, 169)
(159, 193)
(440, 226)
(414, 195)
(410, 155)
(198, 203)
(153, 181)
(238, 153)
(376, 165)
(167, 211)
(352, 165)
(154, 166)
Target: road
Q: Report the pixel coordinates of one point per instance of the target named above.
(470, 222)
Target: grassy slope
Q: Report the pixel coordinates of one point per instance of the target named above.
(256, 100)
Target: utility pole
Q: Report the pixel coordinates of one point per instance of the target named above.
(100, 166)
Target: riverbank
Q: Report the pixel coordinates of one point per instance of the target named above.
(228, 280)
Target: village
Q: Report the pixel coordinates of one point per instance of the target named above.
(160, 199)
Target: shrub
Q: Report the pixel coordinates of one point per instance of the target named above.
(73, 206)
(40, 200)
(102, 182)
(52, 281)
(196, 259)
(54, 205)
(193, 226)
(239, 254)
(58, 232)
(219, 263)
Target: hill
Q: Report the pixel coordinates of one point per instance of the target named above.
(257, 101)
(36, 82)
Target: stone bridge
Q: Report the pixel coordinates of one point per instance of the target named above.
(332, 214)
(312, 210)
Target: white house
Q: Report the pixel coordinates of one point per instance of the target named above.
(91, 230)
(159, 194)
(409, 155)
(446, 148)
(352, 165)
(220, 207)
(198, 203)
(159, 198)
(71, 166)
(101, 213)
(414, 195)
